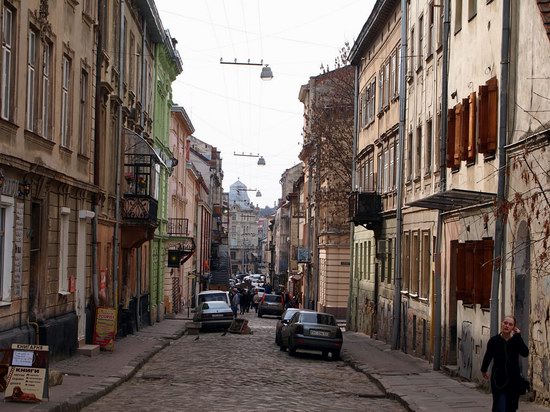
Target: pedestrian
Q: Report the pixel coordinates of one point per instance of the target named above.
(249, 298)
(256, 301)
(235, 303)
(506, 380)
(243, 301)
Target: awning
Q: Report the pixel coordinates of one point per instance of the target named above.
(136, 145)
(454, 199)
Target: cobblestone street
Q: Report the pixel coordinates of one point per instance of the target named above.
(243, 372)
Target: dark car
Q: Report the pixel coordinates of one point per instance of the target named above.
(271, 304)
(213, 315)
(283, 322)
(313, 331)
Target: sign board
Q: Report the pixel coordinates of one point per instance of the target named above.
(27, 379)
(303, 255)
(105, 328)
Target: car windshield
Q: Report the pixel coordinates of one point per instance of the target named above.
(319, 318)
(213, 297)
(215, 305)
(272, 298)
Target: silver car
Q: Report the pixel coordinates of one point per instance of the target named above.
(213, 315)
(312, 331)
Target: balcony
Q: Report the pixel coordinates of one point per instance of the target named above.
(139, 219)
(177, 227)
(365, 209)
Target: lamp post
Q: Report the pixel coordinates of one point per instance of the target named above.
(266, 74)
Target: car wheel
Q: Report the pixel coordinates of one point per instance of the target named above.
(335, 355)
(260, 314)
(277, 339)
(282, 347)
(325, 354)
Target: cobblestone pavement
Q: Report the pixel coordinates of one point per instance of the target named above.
(243, 372)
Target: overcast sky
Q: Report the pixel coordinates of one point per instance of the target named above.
(230, 107)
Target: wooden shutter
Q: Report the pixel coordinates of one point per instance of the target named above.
(450, 137)
(487, 272)
(492, 118)
(463, 277)
(465, 129)
(458, 134)
(469, 266)
(471, 151)
(483, 119)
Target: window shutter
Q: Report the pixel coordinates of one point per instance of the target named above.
(492, 115)
(450, 137)
(465, 129)
(463, 273)
(469, 267)
(471, 151)
(487, 272)
(483, 116)
(458, 134)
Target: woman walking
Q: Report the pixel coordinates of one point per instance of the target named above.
(504, 350)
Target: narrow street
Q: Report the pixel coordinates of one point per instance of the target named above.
(243, 373)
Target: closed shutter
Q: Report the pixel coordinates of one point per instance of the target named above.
(464, 289)
(492, 118)
(483, 119)
(471, 151)
(458, 134)
(469, 267)
(487, 272)
(450, 137)
(465, 129)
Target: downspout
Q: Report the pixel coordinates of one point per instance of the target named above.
(399, 212)
(97, 148)
(352, 274)
(501, 190)
(118, 150)
(442, 186)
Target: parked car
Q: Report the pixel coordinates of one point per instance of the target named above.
(283, 322)
(313, 331)
(271, 304)
(214, 295)
(213, 315)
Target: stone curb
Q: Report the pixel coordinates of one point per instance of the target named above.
(348, 358)
(92, 394)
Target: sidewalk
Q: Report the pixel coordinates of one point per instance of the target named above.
(86, 379)
(413, 382)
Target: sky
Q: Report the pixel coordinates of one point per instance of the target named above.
(230, 107)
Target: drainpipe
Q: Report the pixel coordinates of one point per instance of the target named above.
(442, 186)
(353, 180)
(399, 212)
(501, 190)
(97, 146)
(118, 150)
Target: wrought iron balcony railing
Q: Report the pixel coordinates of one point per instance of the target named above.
(178, 227)
(140, 208)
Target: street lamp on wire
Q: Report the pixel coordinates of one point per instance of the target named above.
(261, 160)
(258, 193)
(266, 74)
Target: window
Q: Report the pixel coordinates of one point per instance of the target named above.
(420, 42)
(387, 83)
(381, 89)
(426, 265)
(369, 257)
(409, 155)
(31, 80)
(83, 115)
(116, 35)
(65, 101)
(415, 263)
(411, 48)
(472, 9)
(64, 249)
(418, 152)
(46, 89)
(138, 74)
(437, 146)
(371, 101)
(406, 261)
(6, 246)
(8, 59)
(470, 136)
(395, 73)
(367, 173)
(131, 62)
(450, 137)
(440, 28)
(390, 260)
(361, 262)
(428, 148)
(458, 15)
(472, 267)
(364, 99)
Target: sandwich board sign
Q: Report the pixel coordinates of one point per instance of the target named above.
(105, 328)
(27, 379)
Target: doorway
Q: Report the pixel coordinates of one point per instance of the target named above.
(522, 286)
